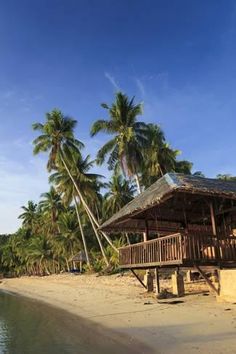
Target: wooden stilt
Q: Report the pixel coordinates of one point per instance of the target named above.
(211, 285)
(145, 234)
(137, 277)
(213, 222)
(157, 281)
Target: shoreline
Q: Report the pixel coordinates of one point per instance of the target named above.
(197, 324)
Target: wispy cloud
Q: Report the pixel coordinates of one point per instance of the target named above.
(18, 98)
(140, 86)
(20, 180)
(112, 80)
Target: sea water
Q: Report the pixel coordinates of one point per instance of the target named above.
(31, 327)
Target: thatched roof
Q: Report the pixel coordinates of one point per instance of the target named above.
(166, 186)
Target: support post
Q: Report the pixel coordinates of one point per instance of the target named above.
(177, 284)
(137, 277)
(189, 277)
(211, 285)
(148, 280)
(157, 281)
(146, 233)
(213, 223)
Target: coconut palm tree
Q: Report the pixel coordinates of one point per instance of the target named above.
(58, 139)
(87, 181)
(184, 166)
(160, 158)
(125, 147)
(29, 216)
(51, 206)
(39, 252)
(69, 234)
(120, 192)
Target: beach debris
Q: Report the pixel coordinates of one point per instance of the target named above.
(174, 302)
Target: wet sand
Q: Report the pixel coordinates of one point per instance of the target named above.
(120, 308)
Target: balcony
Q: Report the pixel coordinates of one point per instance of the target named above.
(179, 250)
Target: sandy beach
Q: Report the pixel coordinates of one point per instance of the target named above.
(198, 324)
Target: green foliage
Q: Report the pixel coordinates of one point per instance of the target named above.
(226, 177)
(60, 224)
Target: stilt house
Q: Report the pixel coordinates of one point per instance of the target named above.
(187, 221)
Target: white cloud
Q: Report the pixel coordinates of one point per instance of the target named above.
(112, 81)
(20, 182)
(140, 86)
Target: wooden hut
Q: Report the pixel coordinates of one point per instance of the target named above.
(188, 221)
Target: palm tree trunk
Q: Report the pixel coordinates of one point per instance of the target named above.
(82, 232)
(127, 238)
(139, 192)
(99, 240)
(137, 183)
(67, 264)
(86, 207)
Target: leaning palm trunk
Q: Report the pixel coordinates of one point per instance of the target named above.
(139, 192)
(99, 240)
(82, 232)
(86, 207)
(137, 183)
(127, 238)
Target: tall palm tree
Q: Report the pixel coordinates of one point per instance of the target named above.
(160, 158)
(51, 206)
(87, 182)
(69, 234)
(58, 139)
(128, 136)
(120, 192)
(39, 251)
(30, 215)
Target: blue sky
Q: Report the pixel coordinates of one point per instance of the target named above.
(177, 56)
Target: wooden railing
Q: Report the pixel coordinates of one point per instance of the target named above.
(228, 249)
(208, 248)
(177, 249)
(164, 250)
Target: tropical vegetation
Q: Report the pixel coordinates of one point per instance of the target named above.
(65, 221)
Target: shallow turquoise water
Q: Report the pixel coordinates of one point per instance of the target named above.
(30, 327)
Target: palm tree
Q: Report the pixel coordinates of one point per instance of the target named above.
(120, 192)
(51, 206)
(128, 136)
(184, 166)
(160, 158)
(87, 182)
(226, 177)
(39, 251)
(58, 139)
(69, 235)
(30, 215)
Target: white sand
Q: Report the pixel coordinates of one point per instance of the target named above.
(198, 325)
